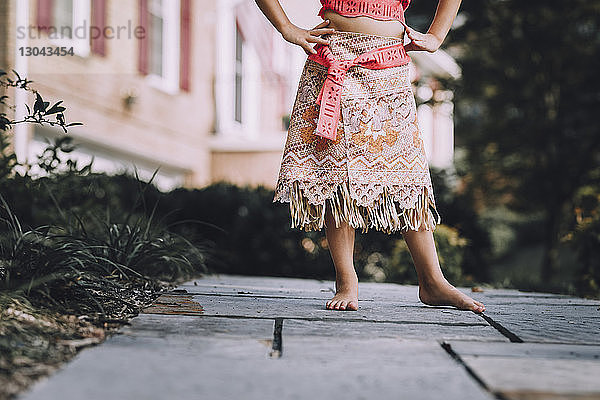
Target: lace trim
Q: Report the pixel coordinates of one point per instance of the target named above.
(378, 9)
(387, 214)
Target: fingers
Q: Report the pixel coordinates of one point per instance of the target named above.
(410, 47)
(316, 39)
(321, 25)
(413, 34)
(306, 46)
(308, 49)
(418, 44)
(321, 31)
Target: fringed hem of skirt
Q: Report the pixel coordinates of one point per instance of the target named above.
(385, 215)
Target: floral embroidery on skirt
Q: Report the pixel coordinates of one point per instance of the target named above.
(375, 173)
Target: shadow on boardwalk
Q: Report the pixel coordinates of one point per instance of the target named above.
(232, 337)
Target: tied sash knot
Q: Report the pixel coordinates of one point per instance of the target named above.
(330, 96)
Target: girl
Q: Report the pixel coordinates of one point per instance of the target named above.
(354, 157)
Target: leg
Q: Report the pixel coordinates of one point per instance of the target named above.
(341, 246)
(434, 289)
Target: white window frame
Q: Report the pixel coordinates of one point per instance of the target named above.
(227, 126)
(239, 71)
(251, 92)
(109, 158)
(169, 81)
(82, 16)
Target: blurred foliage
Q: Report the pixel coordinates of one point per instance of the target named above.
(526, 111)
(458, 210)
(398, 266)
(252, 235)
(240, 228)
(585, 238)
(527, 140)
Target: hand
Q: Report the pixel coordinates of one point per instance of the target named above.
(421, 41)
(304, 37)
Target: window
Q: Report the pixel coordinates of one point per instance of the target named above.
(164, 44)
(239, 74)
(238, 84)
(63, 17)
(156, 37)
(72, 20)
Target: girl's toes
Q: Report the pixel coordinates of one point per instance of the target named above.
(352, 306)
(342, 305)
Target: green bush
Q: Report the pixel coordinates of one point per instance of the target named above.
(450, 247)
(459, 209)
(85, 243)
(250, 234)
(585, 240)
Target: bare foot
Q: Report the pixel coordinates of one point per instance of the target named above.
(346, 296)
(444, 294)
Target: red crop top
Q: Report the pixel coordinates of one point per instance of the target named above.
(378, 9)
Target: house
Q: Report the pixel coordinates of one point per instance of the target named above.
(198, 90)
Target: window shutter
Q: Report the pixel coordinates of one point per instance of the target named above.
(185, 39)
(44, 14)
(98, 44)
(143, 41)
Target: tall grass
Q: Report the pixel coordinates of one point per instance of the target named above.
(90, 264)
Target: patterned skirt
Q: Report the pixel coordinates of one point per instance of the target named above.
(375, 173)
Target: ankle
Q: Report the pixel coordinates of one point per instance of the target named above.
(346, 279)
(433, 281)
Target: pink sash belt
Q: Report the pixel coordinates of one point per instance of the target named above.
(330, 96)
